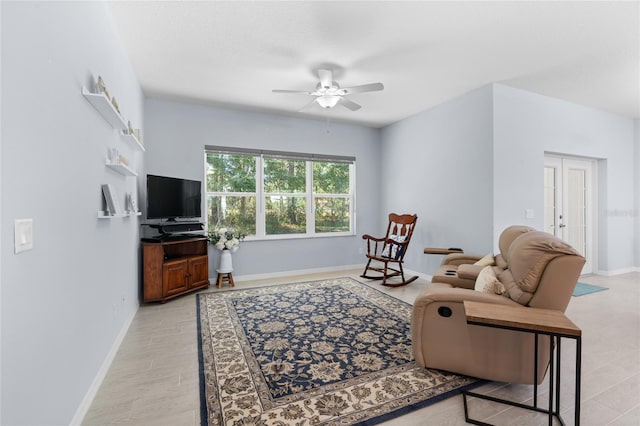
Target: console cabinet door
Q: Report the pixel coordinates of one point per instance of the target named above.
(175, 277)
(199, 270)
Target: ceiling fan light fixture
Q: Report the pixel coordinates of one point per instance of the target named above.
(328, 101)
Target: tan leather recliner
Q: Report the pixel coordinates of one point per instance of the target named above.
(542, 273)
(459, 269)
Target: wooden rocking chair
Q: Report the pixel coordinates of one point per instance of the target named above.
(390, 249)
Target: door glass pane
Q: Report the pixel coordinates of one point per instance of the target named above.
(576, 210)
(550, 200)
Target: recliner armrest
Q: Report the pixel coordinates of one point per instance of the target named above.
(469, 271)
(445, 293)
(460, 259)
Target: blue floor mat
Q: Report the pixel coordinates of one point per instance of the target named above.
(583, 288)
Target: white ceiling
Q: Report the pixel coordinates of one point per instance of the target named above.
(233, 53)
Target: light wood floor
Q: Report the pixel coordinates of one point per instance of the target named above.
(154, 377)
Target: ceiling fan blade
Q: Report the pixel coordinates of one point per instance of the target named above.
(304, 92)
(373, 87)
(349, 104)
(326, 78)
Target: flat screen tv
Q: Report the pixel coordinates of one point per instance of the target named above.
(172, 198)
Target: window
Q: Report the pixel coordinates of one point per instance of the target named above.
(267, 194)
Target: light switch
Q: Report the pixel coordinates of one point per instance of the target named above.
(23, 229)
(529, 214)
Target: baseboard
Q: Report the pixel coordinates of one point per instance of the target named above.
(617, 271)
(102, 373)
(291, 273)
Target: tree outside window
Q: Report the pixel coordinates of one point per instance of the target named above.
(265, 196)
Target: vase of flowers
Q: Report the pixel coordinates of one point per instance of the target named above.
(227, 240)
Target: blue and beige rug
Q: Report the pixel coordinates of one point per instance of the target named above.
(583, 288)
(330, 352)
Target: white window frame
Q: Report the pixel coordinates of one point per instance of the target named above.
(310, 196)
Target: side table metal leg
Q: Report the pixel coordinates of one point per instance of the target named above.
(551, 380)
(535, 372)
(558, 357)
(578, 373)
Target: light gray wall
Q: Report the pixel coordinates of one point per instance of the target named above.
(636, 127)
(478, 160)
(176, 134)
(526, 125)
(62, 302)
(438, 164)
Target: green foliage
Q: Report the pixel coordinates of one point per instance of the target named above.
(332, 214)
(234, 212)
(235, 175)
(285, 215)
(330, 178)
(284, 176)
(231, 173)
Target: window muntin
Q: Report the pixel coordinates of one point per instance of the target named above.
(279, 196)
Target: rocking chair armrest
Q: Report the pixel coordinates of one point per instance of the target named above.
(369, 237)
(397, 243)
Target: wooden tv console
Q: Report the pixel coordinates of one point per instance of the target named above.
(174, 267)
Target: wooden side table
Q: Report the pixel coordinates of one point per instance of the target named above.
(225, 277)
(554, 324)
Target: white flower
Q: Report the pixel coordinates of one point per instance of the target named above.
(226, 238)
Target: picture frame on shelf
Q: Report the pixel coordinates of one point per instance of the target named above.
(109, 194)
(130, 204)
(101, 88)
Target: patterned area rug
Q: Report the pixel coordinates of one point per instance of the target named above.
(330, 352)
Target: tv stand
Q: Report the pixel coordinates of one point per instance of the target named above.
(173, 267)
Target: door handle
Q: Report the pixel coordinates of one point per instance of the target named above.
(562, 225)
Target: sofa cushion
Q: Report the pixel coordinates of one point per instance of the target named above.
(508, 236)
(500, 262)
(487, 282)
(469, 272)
(488, 260)
(528, 257)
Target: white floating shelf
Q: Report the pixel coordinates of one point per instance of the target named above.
(132, 139)
(105, 108)
(103, 215)
(121, 168)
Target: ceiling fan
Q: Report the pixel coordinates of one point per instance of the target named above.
(328, 93)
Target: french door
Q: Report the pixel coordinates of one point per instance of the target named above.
(568, 204)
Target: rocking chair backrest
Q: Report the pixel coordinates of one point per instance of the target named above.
(401, 226)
